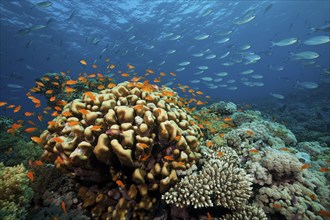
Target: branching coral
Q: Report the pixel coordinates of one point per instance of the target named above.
(247, 212)
(218, 184)
(22, 152)
(15, 193)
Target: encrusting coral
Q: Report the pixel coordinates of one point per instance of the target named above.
(135, 136)
(15, 193)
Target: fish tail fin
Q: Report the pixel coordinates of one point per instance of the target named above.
(273, 43)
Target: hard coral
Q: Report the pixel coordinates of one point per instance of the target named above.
(15, 193)
(219, 183)
(135, 135)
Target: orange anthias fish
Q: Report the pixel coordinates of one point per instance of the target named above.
(29, 130)
(38, 163)
(69, 89)
(66, 114)
(305, 166)
(28, 114)
(91, 95)
(73, 123)
(63, 207)
(83, 62)
(36, 139)
(49, 91)
(58, 139)
(30, 175)
(96, 127)
(51, 123)
(3, 103)
(209, 143)
(17, 108)
(111, 85)
(249, 132)
(167, 157)
(16, 126)
(142, 145)
(227, 119)
(324, 213)
(254, 151)
(83, 111)
(130, 66)
(209, 217)
(120, 183)
(71, 82)
(324, 169)
(58, 108)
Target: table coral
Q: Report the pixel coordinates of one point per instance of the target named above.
(134, 136)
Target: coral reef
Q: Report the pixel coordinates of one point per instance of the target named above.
(248, 212)
(259, 134)
(15, 193)
(219, 183)
(306, 114)
(23, 152)
(223, 108)
(134, 137)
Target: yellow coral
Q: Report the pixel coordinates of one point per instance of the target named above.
(130, 134)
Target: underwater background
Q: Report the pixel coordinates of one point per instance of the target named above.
(164, 109)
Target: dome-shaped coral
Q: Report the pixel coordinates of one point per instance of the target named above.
(135, 135)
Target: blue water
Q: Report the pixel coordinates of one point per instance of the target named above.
(140, 33)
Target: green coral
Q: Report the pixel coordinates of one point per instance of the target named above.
(15, 193)
(23, 152)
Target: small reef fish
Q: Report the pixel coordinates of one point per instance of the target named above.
(43, 4)
(58, 139)
(277, 95)
(29, 130)
(17, 109)
(317, 40)
(305, 166)
(249, 132)
(120, 183)
(308, 85)
(14, 86)
(285, 42)
(324, 213)
(167, 157)
(254, 151)
(30, 175)
(307, 55)
(83, 62)
(324, 169)
(63, 207)
(36, 139)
